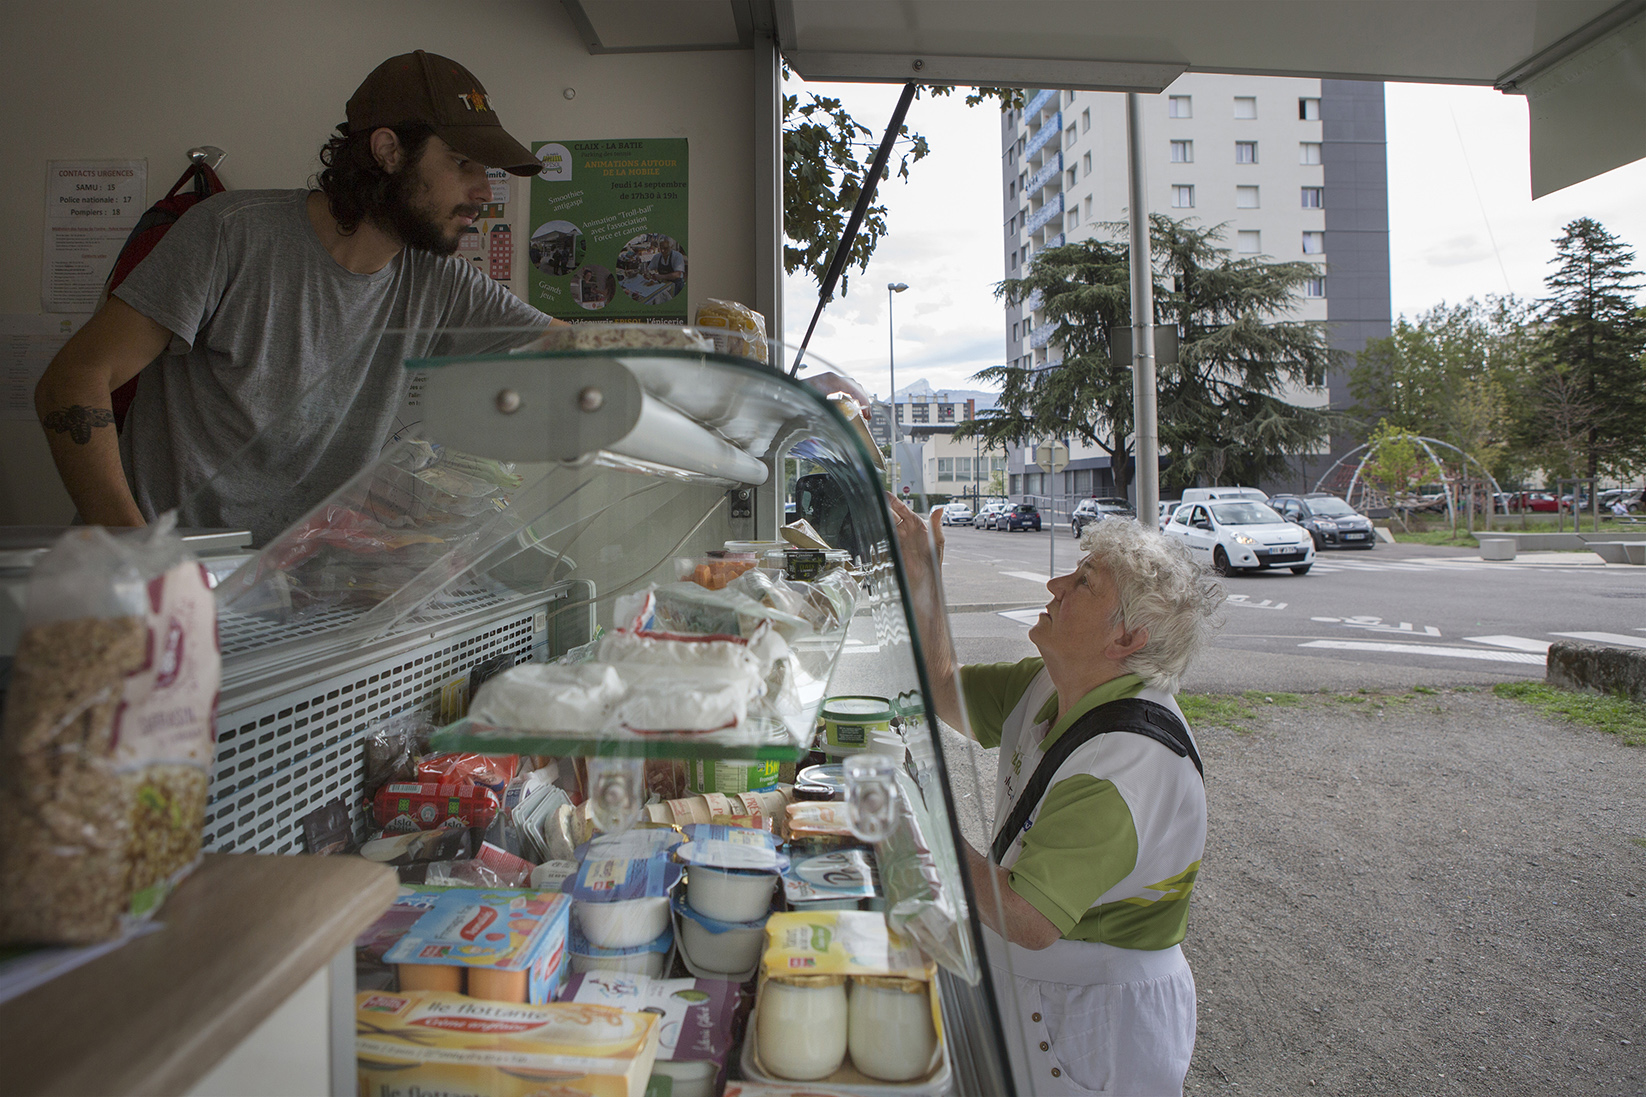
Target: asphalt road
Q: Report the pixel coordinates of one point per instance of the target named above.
(1393, 616)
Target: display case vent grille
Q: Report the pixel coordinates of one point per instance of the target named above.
(281, 758)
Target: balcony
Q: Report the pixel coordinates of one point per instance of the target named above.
(1038, 103)
(1054, 241)
(1046, 174)
(1042, 335)
(1052, 208)
(1048, 130)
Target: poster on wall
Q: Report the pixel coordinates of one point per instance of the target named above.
(91, 207)
(28, 342)
(608, 230)
(488, 243)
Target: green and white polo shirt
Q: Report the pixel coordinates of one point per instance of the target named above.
(1112, 852)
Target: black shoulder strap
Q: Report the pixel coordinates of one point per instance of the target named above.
(1132, 714)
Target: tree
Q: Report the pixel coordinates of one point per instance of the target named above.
(1394, 465)
(1224, 413)
(1083, 287)
(1589, 357)
(1222, 410)
(1449, 375)
(826, 158)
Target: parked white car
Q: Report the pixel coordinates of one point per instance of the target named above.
(1167, 508)
(957, 514)
(987, 513)
(1241, 535)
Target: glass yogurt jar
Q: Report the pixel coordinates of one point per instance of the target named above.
(891, 1035)
(801, 1026)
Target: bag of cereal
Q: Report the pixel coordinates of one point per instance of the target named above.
(109, 733)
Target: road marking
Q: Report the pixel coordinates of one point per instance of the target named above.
(1244, 601)
(1605, 638)
(1021, 616)
(1031, 576)
(1375, 624)
(858, 647)
(1519, 643)
(1427, 649)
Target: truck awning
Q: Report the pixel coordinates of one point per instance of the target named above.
(1580, 63)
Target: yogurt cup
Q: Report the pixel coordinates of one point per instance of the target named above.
(730, 894)
(622, 923)
(650, 959)
(716, 947)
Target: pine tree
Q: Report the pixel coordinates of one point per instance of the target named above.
(1589, 359)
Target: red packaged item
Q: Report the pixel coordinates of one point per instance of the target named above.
(428, 804)
(492, 771)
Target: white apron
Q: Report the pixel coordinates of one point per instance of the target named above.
(1083, 1017)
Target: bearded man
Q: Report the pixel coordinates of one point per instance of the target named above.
(285, 317)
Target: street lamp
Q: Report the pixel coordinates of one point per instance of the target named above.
(891, 370)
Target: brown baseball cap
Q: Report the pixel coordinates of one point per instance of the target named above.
(425, 87)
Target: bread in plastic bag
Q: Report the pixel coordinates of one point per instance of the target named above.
(736, 329)
(109, 735)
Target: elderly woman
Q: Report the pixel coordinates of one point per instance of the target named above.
(1085, 892)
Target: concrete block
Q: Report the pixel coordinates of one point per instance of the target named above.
(1384, 535)
(1613, 552)
(1635, 553)
(1575, 665)
(1496, 548)
(1548, 542)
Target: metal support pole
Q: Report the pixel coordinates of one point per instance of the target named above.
(891, 375)
(1146, 447)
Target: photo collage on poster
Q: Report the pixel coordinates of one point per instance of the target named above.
(608, 239)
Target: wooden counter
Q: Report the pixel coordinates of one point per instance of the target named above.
(241, 935)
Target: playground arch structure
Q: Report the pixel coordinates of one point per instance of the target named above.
(1367, 451)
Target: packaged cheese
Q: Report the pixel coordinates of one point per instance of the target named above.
(436, 1042)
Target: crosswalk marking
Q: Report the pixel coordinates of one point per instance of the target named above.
(1605, 638)
(1031, 576)
(1427, 649)
(1519, 643)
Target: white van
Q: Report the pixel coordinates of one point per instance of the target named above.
(1207, 495)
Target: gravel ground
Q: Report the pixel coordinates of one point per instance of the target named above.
(1421, 893)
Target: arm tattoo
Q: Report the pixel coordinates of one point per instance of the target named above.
(78, 421)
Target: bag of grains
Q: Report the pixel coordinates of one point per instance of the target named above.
(108, 737)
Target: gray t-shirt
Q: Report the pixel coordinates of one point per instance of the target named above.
(273, 340)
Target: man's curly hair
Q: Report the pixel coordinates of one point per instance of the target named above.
(355, 184)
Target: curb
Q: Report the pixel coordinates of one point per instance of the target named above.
(991, 607)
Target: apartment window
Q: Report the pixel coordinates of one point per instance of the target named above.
(1314, 287)
(1314, 243)
(945, 413)
(1308, 152)
(1071, 176)
(1246, 198)
(1015, 326)
(922, 413)
(1088, 207)
(1179, 106)
(1245, 106)
(1085, 121)
(962, 468)
(1182, 197)
(945, 468)
(1086, 164)
(1069, 136)
(1314, 197)
(1182, 152)
(1308, 110)
(1248, 241)
(1245, 152)
(1011, 189)
(1074, 218)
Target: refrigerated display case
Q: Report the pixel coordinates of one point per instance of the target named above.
(562, 560)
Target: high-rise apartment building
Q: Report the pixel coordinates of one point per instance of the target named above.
(1294, 169)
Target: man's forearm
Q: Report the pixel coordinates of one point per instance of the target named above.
(80, 430)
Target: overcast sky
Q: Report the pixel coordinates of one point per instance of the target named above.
(1461, 223)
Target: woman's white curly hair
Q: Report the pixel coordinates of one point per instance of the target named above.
(1160, 588)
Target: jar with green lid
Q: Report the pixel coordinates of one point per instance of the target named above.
(848, 721)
